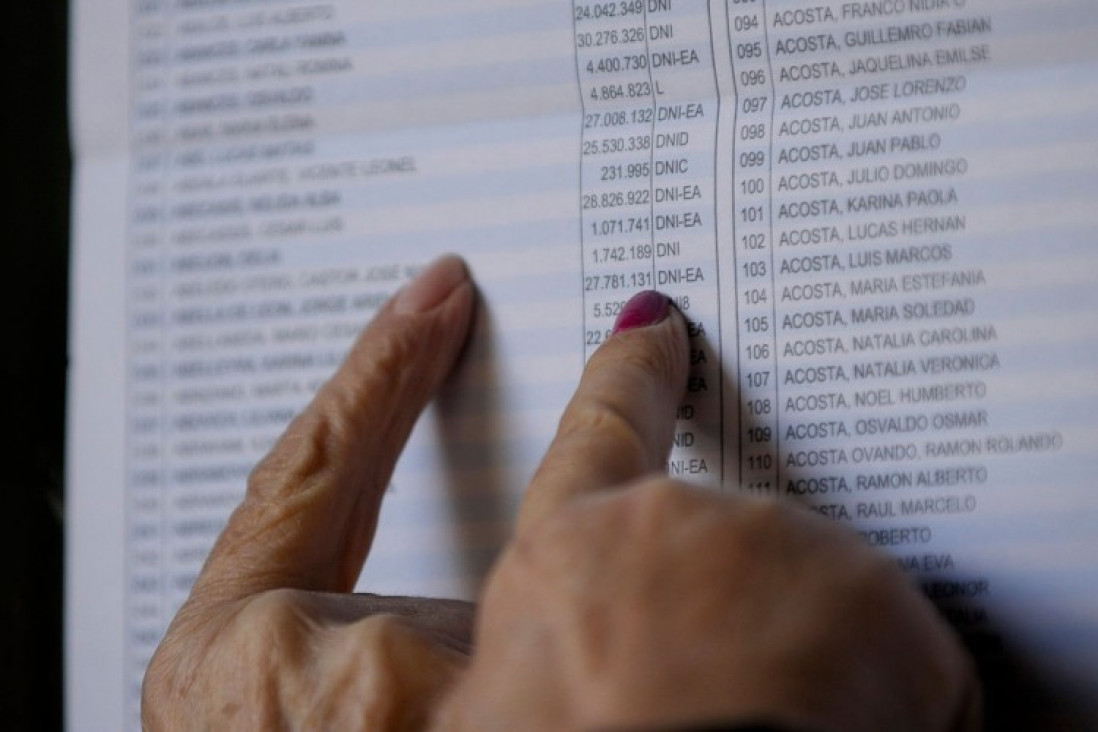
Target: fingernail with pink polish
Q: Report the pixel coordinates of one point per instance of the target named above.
(644, 308)
(431, 286)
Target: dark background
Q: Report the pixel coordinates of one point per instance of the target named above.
(35, 306)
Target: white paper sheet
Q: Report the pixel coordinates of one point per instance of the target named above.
(879, 217)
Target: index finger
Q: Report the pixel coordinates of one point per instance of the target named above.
(309, 514)
(620, 423)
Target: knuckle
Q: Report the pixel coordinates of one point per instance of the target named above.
(663, 499)
(380, 648)
(600, 415)
(375, 375)
(271, 615)
(263, 646)
(387, 666)
(302, 453)
(379, 633)
(379, 366)
(613, 425)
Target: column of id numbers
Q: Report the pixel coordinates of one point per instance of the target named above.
(615, 84)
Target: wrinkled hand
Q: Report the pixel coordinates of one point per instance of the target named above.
(624, 601)
(268, 637)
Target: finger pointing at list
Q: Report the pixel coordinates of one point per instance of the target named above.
(620, 423)
(311, 507)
